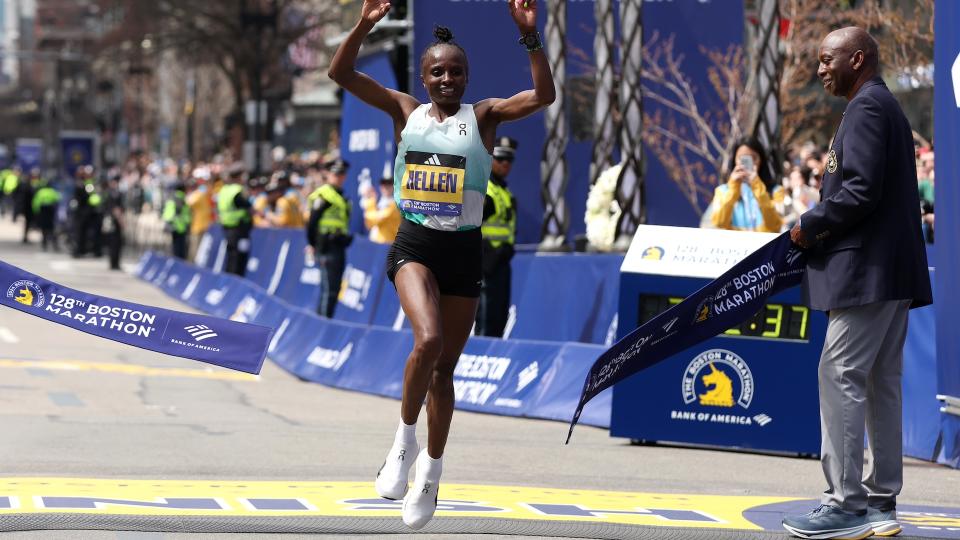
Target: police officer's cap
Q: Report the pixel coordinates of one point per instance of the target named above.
(505, 149)
(337, 166)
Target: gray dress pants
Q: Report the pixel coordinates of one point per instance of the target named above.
(860, 388)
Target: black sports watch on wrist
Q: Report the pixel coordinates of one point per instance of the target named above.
(531, 40)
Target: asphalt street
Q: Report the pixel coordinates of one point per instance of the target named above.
(74, 406)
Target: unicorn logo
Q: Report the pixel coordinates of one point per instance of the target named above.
(27, 293)
(719, 389)
(718, 378)
(25, 298)
(653, 253)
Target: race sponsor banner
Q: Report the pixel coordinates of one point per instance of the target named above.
(723, 303)
(221, 342)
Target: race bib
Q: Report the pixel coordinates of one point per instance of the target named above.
(433, 184)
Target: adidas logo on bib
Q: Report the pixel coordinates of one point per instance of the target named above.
(433, 160)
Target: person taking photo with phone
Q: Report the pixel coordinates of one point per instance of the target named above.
(743, 203)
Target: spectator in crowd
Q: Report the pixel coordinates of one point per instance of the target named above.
(816, 166)
(234, 211)
(798, 196)
(380, 215)
(283, 203)
(201, 210)
(925, 184)
(328, 232)
(114, 220)
(259, 202)
(742, 203)
(176, 216)
(45, 203)
(925, 176)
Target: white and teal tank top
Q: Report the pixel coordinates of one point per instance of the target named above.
(441, 172)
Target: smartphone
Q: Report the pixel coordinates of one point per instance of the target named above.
(746, 162)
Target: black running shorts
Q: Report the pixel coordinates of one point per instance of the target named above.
(454, 257)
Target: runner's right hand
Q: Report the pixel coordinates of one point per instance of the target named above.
(374, 10)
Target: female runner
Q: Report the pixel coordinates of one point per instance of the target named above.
(442, 167)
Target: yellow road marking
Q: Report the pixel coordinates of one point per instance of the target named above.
(355, 499)
(127, 369)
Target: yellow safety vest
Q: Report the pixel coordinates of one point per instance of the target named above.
(230, 215)
(336, 216)
(501, 227)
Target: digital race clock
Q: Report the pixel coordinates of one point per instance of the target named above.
(774, 321)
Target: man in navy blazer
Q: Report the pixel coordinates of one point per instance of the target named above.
(867, 267)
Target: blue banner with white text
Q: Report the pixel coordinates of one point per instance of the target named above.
(198, 337)
(367, 142)
(723, 303)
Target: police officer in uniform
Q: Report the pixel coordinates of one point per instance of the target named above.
(9, 178)
(176, 216)
(328, 231)
(86, 213)
(234, 209)
(45, 202)
(499, 231)
(23, 199)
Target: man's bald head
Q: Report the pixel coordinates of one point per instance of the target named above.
(848, 58)
(853, 39)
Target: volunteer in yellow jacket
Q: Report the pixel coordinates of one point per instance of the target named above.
(441, 173)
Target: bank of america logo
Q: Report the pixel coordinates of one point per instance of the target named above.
(792, 256)
(433, 160)
(200, 332)
(762, 419)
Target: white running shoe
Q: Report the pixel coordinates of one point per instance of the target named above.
(393, 475)
(421, 502)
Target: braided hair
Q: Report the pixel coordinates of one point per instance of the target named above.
(443, 36)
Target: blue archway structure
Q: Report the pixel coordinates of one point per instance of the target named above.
(946, 59)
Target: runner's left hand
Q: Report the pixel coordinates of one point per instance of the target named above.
(524, 13)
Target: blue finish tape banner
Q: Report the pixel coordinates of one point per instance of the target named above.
(723, 303)
(229, 344)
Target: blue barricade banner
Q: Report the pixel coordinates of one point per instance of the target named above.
(590, 281)
(363, 280)
(723, 303)
(559, 386)
(266, 246)
(199, 337)
(212, 251)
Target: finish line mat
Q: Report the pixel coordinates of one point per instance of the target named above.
(290, 506)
